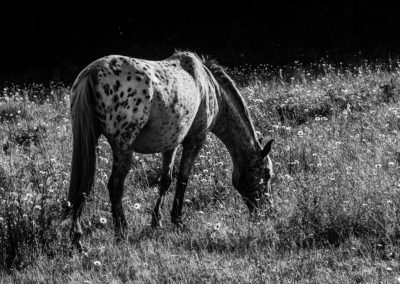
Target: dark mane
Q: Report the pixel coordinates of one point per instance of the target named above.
(228, 84)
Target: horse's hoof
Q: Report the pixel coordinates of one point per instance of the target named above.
(79, 247)
(177, 222)
(156, 223)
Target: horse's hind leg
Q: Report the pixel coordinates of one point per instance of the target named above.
(76, 229)
(120, 169)
(165, 183)
(189, 154)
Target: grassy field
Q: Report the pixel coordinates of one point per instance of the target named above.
(336, 192)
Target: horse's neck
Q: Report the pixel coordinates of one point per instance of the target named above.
(233, 129)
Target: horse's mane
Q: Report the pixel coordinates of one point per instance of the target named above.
(228, 84)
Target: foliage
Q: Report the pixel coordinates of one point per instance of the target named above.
(335, 215)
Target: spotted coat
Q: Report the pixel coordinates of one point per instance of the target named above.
(150, 106)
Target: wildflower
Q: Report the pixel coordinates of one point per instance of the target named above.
(37, 207)
(28, 196)
(97, 263)
(288, 177)
(300, 133)
(217, 226)
(378, 166)
(69, 205)
(103, 220)
(391, 164)
(389, 268)
(317, 118)
(137, 206)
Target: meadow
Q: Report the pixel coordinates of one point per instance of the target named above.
(336, 192)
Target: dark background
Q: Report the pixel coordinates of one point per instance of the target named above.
(56, 42)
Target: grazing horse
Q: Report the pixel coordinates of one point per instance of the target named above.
(153, 106)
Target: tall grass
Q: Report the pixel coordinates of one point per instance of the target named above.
(336, 192)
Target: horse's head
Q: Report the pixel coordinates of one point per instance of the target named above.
(252, 179)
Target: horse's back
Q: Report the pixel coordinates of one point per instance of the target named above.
(146, 106)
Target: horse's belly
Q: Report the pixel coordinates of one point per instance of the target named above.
(167, 125)
(154, 140)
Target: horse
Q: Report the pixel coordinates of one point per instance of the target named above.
(154, 106)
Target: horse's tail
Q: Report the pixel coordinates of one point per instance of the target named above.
(85, 131)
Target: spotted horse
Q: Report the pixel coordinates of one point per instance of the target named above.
(153, 106)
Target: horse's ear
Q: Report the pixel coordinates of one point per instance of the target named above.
(267, 148)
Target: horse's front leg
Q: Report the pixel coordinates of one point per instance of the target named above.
(165, 183)
(189, 154)
(120, 169)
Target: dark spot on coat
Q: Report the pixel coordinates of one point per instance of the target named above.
(115, 99)
(121, 94)
(128, 78)
(138, 102)
(132, 94)
(138, 79)
(117, 85)
(106, 89)
(135, 109)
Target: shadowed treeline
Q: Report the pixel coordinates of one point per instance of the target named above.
(57, 44)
